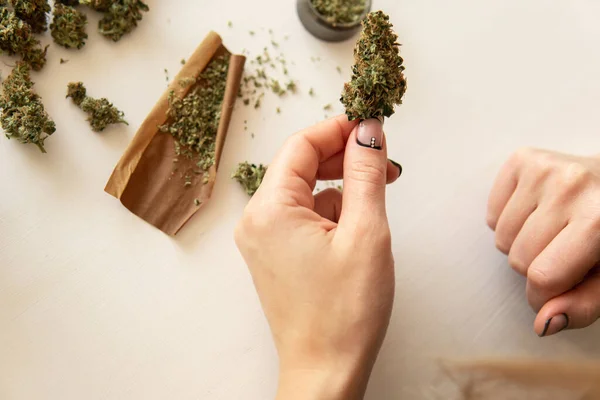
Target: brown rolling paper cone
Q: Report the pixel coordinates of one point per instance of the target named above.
(144, 179)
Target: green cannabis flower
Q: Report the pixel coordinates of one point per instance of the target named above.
(77, 92)
(16, 37)
(23, 115)
(121, 18)
(68, 27)
(33, 12)
(250, 176)
(378, 82)
(340, 11)
(194, 120)
(101, 112)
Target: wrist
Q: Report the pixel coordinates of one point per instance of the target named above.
(342, 381)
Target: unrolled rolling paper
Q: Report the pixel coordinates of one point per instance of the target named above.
(144, 179)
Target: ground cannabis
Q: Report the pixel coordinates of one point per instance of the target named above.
(340, 11)
(23, 115)
(250, 176)
(378, 82)
(16, 37)
(194, 120)
(33, 12)
(101, 112)
(68, 27)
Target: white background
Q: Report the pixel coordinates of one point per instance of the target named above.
(96, 304)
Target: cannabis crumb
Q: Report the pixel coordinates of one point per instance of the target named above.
(63, 61)
(250, 176)
(182, 61)
(278, 110)
(327, 107)
(338, 69)
(229, 24)
(197, 202)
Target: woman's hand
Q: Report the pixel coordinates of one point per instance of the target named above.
(323, 268)
(545, 209)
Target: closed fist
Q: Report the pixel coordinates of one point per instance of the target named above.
(545, 210)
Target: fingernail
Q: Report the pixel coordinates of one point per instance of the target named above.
(397, 166)
(370, 134)
(555, 324)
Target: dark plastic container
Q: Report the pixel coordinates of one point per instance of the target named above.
(319, 27)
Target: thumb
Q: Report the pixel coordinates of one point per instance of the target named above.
(575, 309)
(365, 169)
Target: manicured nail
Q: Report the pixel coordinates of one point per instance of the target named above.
(370, 134)
(397, 166)
(555, 324)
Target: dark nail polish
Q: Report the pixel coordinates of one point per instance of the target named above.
(370, 134)
(556, 324)
(397, 166)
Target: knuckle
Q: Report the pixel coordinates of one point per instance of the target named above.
(368, 171)
(502, 243)
(517, 264)
(574, 177)
(491, 221)
(522, 156)
(540, 280)
(589, 311)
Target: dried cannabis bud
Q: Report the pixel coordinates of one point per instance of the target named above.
(250, 176)
(68, 27)
(340, 11)
(378, 82)
(121, 18)
(194, 120)
(23, 115)
(33, 12)
(101, 111)
(16, 37)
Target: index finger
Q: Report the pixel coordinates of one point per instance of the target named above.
(295, 167)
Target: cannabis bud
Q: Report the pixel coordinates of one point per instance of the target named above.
(121, 17)
(194, 120)
(68, 27)
(378, 82)
(101, 112)
(33, 12)
(16, 37)
(340, 11)
(250, 176)
(23, 115)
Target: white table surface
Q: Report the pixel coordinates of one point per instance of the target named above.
(97, 304)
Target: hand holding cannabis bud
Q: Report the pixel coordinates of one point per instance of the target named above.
(323, 267)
